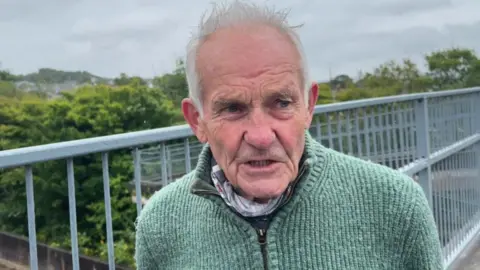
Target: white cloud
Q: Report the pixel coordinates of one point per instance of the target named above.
(144, 37)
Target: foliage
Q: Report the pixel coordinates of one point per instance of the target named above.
(90, 111)
(49, 75)
(452, 68)
(132, 103)
(174, 85)
(447, 69)
(124, 79)
(7, 76)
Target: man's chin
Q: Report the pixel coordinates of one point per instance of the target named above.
(259, 192)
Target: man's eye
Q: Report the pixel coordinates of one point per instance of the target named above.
(233, 108)
(283, 103)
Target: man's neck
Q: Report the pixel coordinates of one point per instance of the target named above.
(251, 198)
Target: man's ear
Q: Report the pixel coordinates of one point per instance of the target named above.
(312, 101)
(192, 116)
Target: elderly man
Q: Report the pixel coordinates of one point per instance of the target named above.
(264, 194)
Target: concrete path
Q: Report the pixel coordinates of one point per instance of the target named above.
(470, 259)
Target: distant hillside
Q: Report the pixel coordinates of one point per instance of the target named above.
(53, 76)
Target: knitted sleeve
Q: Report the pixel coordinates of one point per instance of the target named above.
(143, 255)
(423, 249)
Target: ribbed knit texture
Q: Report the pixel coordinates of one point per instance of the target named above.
(345, 213)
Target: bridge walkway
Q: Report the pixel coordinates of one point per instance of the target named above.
(432, 137)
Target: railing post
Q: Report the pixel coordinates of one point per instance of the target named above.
(188, 163)
(423, 146)
(108, 211)
(476, 116)
(164, 165)
(474, 110)
(477, 157)
(73, 214)
(137, 172)
(32, 235)
(476, 121)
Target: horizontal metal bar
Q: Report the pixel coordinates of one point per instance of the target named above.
(62, 150)
(34, 154)
(354, 104)
(453, 149)
(414, 167)
(421, 164)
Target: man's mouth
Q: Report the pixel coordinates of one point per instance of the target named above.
(260, 163)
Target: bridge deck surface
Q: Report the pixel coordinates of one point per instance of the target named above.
(470, 258)
(6, 265)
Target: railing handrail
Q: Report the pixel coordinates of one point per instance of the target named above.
(68, 149)
(353, 104)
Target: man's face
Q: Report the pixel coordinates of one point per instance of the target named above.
(254, 108)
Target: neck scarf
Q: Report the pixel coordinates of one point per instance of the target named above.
(243, 206)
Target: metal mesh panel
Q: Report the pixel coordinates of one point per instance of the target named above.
(456, 198)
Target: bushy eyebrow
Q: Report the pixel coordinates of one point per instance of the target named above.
(284, 94)
(224, 102)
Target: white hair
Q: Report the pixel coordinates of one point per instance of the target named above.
(233, 14)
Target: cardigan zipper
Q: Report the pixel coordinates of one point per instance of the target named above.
(262, 240)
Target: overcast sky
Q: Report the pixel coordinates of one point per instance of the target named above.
(144, 37)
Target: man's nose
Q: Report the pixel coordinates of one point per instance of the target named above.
(259, 132)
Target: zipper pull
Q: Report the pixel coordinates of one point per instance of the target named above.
(262, 236)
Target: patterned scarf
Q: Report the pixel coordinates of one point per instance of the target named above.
(245, 207)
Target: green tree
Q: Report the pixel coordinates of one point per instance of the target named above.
(7, 76)
(453, 68)
(51, 76)
(174, 84)
(124, 79)
(341, 82)
(8, 89)
(88, 112)
(392, 78)
(473, 78)
(325, 94)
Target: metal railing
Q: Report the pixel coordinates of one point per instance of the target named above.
(433, 137)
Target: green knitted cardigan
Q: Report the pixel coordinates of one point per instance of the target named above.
(344, 213)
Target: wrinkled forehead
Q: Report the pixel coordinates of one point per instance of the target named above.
(238, 60)
(246, 50)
